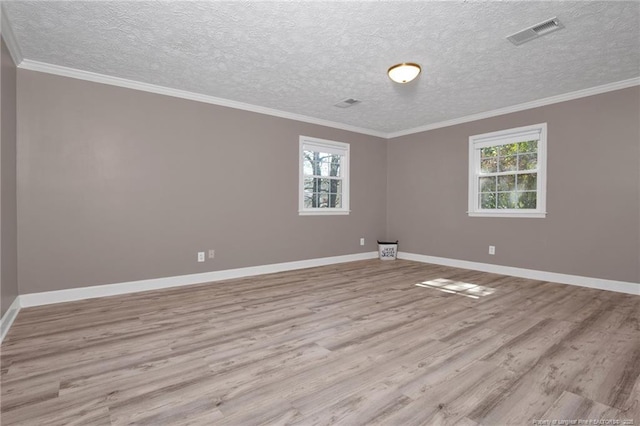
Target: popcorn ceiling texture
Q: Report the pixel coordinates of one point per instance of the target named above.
(304, 57)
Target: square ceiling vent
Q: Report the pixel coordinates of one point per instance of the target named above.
(538, 30)
(347, 103)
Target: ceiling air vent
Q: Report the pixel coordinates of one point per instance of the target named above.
(538, 30)
(347, 103)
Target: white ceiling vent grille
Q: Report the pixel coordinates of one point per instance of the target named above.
(347, 103)
(538, 30)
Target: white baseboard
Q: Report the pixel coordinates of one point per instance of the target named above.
(8, 318)
(59, 296)
(599, 283)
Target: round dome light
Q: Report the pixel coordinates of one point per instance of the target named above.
(404, 72)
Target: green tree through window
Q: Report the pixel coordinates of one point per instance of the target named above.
(507, 172)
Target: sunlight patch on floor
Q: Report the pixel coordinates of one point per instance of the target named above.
(473, 291)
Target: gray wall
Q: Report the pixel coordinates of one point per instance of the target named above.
(118, 185)
(8, 212)
(593, 199)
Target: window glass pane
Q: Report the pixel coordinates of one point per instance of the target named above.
(334, 162)
(334, 186)
(323, 200)
(328, 185)
(507, 183)
(488, 200)
(316, 185)
(307, 167)
(528, 162)
(322, 164)
(324, 167)
(527, 182)
(311, 163)
(489, 165)
(322, 193)
(308, 199)
(508, 164)
(335, 200)
(530, 146)
(312, 199)
(309, 184)
(507, 200)
(487, 184)
(491, 151)
(509, 149)
(527, 200)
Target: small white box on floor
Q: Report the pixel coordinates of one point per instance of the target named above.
(387, 250)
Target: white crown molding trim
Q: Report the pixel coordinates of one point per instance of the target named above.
(9, 38)
(152, 88)
(167, 91)
(610, 87)
(7, 319)
(59, 296)
(597, 283)
(28, 64)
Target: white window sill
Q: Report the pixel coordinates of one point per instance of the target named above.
(323, 212)
(538, 215)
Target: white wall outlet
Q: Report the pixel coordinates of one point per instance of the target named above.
(212, 254)
(492, 249)
(200, 256)
(361, 241)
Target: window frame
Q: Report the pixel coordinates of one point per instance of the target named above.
(340, 148)
(503, 137)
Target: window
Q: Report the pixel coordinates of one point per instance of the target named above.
(324, 177)
(507, 172)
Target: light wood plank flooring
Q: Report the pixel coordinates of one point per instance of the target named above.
(350, 344)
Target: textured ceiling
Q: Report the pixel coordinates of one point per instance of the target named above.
(303, 57)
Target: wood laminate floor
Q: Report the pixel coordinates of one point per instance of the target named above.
(350, 344)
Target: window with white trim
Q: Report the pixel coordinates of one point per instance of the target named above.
(507, 172)
(324, 177)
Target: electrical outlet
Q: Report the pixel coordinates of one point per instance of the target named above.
(361, 241)
(200, 256)
(212, 253)
(492, 250)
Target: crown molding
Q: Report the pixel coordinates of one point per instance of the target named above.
(152, 88)
(521, 107)
(9, 38)
(28, 64)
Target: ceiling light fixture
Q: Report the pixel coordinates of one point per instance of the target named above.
(404, 72)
